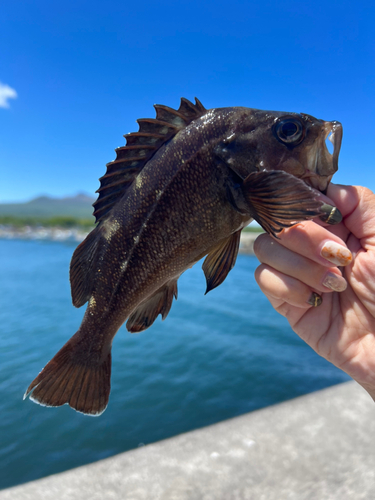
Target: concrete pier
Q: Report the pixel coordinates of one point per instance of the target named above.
(247, 242)
(320, 446)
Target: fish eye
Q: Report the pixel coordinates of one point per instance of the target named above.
(289, 131)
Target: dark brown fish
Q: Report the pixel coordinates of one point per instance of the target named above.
(183, 187)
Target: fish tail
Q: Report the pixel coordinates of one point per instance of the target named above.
(76, 376)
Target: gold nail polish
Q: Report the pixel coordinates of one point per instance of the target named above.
(331, 215)
(315, 300)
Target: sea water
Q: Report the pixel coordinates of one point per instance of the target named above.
(214, 357)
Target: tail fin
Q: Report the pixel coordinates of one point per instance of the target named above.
(75, 377)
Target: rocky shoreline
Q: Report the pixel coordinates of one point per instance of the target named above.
(77, 235)
(42, 233)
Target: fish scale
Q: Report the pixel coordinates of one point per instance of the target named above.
(182, 188)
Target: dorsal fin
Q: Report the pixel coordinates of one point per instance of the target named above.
(140, 147)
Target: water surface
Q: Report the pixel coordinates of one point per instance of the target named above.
(215, 357)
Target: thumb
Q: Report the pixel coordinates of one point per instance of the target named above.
(357, 206)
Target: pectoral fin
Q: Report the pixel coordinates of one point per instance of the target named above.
(221, 260)
(147, 312)
(276, 200)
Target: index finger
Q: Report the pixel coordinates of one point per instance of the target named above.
(317, 243)
(357, 206)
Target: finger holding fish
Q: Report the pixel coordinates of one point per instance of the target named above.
(317, 243)
(280, 259)
(304, 253)
(284, 291)
(332, 216)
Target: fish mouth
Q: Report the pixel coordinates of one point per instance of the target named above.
(322, 164)
(333, 132)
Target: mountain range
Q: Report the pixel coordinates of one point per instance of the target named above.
(79, 206)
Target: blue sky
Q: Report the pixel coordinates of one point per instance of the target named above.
(80, 73)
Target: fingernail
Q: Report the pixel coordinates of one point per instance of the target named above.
(335, 282)
(315, 300)
(331, 215)
(336, 253)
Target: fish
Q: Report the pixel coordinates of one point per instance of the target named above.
(182, 188)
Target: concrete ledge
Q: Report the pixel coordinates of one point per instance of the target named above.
(320, 446)
(247, 242)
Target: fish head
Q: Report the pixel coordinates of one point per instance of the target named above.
(303, 148)
(293, 142)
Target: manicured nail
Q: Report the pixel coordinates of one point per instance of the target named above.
(331, 215)
(336, 253)
(315, 300)
(335, 282)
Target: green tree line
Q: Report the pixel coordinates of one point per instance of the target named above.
(63, 222)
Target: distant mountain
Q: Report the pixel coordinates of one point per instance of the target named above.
(79, 206)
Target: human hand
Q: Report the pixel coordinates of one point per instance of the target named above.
(322, 279)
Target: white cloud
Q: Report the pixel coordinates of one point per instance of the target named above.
(6, 93)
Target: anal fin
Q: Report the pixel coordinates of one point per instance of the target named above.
(147, 312)
(277, 200)
(221, 260)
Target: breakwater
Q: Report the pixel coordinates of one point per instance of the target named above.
(313, 447)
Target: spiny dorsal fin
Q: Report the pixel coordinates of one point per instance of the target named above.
(140, 147)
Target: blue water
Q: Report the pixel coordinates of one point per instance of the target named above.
(215, 357)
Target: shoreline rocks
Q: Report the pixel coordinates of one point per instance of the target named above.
(77, 235)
